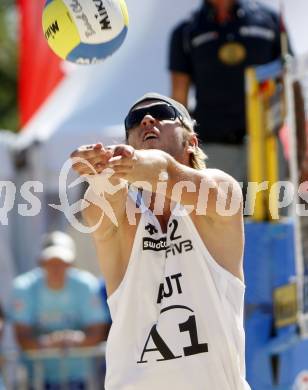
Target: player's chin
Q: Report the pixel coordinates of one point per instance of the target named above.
(152, 144)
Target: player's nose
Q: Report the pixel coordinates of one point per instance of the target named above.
(147, 120)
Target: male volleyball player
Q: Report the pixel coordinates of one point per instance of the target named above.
(174, 277)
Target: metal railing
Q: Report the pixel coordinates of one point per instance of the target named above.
(23, 380)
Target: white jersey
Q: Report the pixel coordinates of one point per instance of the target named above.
(177, 315)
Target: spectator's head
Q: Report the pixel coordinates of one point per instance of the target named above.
(58, 238)
(154, 108)
(55, 259)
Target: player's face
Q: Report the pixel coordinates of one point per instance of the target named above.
(156, 133)
(56, 270)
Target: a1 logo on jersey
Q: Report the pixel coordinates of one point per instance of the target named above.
(156, 345)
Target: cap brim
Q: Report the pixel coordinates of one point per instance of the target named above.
(57, 252)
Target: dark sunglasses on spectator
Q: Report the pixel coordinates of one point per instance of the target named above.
(160, 112)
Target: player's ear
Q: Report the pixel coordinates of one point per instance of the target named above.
(191, 143)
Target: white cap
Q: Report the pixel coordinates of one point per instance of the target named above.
(63, 253)
(58, 238)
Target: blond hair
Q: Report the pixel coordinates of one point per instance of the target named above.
(198, 158)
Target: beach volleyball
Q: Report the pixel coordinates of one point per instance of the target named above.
(85, 31)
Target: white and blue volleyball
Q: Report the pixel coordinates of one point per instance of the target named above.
(85, 31)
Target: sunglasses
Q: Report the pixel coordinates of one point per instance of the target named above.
(158, 111)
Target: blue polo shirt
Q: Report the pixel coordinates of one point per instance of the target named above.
(74, 307)
(216, 55)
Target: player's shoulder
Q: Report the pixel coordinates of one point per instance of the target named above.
(218, 174)
(28, 280)
(179, 29)
(222, 178)
(187, 22)
(260, 10)
(82, 279)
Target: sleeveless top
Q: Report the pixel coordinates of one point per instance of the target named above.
(177, 315)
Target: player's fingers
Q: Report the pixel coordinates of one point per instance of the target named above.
(120, 168)
(91, 167)
(119, 160)
(85, 148)
(121, 175)
(88, 154)
(80, 161)
(95, 161)
(86, 171)
(84, 164)
(97, 146)
(124, 151)
(89, 151)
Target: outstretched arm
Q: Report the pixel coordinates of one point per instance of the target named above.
(212, 198)
(106, 195)
(180, 84)
(207, 191)
(106, 201)
(89, 337)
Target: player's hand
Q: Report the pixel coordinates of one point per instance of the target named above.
(73, 338)
(62, 339)
(51, 340)
(138, 165)
(91, 159)
(123, 161)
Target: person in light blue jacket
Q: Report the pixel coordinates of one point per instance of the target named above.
(58, 306)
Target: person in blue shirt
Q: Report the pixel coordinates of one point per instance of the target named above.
(58, 306)
(210, 51)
